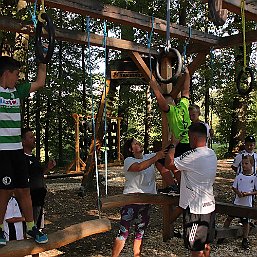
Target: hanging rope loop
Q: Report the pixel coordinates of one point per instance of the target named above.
(44, 54)
(170, 53)
(244, 83)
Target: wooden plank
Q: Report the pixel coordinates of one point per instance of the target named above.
(123, 199)
(236, 210)
(233, 232)
(14, 25)
(234, 6)
(56, 239)
(96, 9)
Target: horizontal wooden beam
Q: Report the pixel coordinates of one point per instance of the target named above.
(13, 25)
(56, 239)
(236, 210)
(235, 7)
(123, 199)
(96, 9)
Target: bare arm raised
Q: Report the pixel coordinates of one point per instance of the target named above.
(41, 78)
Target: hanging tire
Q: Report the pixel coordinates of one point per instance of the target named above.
(170, 53)
(39, 48)
(250, 85)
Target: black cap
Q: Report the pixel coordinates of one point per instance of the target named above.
(250, 139)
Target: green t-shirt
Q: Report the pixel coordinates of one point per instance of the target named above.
(10, 116)
(179, 120)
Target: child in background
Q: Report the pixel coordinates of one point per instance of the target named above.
(13, 221)
(244, 186)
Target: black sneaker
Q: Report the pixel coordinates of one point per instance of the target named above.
(170, 190)
(38, 236)
(245, 244)
(2, 238)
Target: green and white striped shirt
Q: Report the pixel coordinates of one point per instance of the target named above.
(10, 116)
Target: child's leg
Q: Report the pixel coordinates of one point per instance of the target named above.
(137, 247)
(24, 199)
(246, 229)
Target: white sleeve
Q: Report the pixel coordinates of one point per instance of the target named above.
(184, 162)
(128, 162)
(235, 183)
(237, 160)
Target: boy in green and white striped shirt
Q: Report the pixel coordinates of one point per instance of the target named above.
(13, 171)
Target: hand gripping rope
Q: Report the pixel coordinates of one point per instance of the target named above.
(242, 78)
(170, 53)
(44, 19)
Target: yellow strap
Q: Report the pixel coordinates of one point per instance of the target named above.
(243, 30)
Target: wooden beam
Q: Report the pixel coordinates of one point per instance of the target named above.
(236, 210)
(233, 232)
(121, 200)
(56, 239)
(13, 25)
(96, 9)
(235, 7)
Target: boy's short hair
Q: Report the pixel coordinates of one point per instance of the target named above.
(249, 158)
(199, 128)
(250, 139)
(194, 107)
(24, 131)
(8, 63)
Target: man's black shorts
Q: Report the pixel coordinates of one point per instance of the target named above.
(13, 171)
(199, 229)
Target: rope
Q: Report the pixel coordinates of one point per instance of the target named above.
(187, 41)
(105, 113)
(149, 41)
(93, 115)
(243, 30)
(33, 14)
(168, 26)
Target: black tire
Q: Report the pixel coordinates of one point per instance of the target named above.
(242, 91)
(39, 49)
(170, 53)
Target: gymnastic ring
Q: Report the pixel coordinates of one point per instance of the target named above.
(169, 52)
(242, 91)
(39, 51)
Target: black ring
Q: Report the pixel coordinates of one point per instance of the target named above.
(169, 53)
(242, 91)
(39, 51)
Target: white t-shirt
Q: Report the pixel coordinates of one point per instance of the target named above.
(13, 211)
(198, 170)
(238, 161)
(245, 183)
(142, 181)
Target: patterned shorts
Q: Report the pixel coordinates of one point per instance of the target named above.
(134, 214)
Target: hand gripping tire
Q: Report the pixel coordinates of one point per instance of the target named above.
(39, 51)
(169, 52)
(241, 90)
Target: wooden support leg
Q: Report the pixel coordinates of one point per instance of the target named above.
(168, 228)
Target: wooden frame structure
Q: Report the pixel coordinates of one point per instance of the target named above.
(200, 42)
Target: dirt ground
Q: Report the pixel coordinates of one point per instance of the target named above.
(64, 207)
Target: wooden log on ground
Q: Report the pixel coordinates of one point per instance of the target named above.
(233, 232)
(56, 239)
(121, 200)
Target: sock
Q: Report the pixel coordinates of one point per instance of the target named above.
(30, 225)
(2, 227)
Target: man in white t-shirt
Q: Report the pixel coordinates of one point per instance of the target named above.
(249, 150)
(198, 170)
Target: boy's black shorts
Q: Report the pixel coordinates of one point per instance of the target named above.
(13, 170)
(199, 229)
